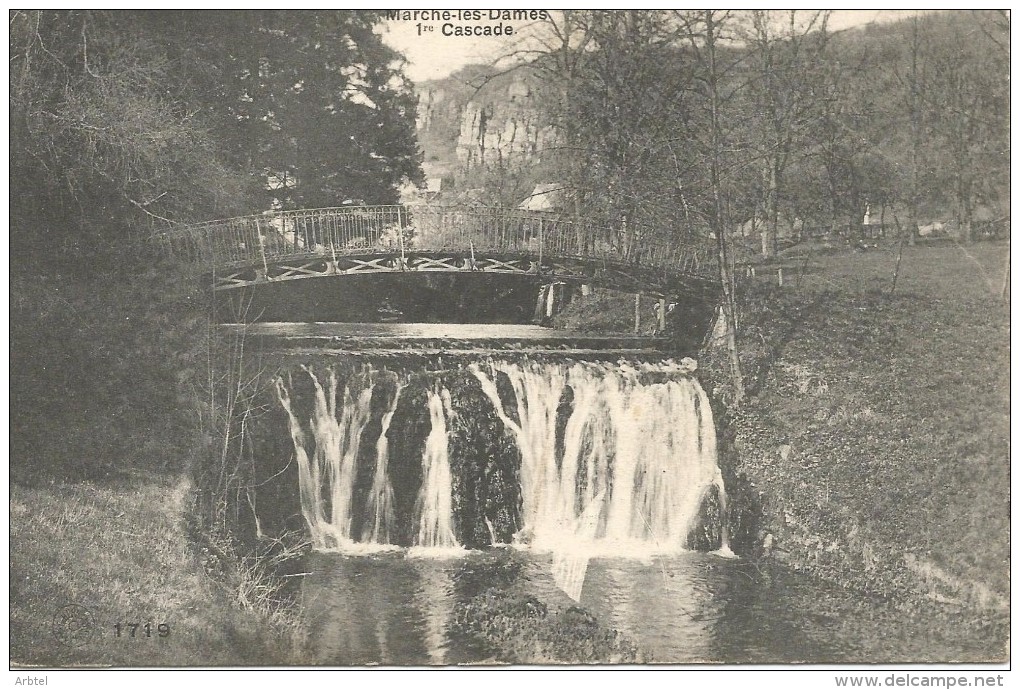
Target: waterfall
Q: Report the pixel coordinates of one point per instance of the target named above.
(326, 475)
(615, 459)
(308, 488)
(638, 453)
(327, 449)
(379, 519)
(434, 507)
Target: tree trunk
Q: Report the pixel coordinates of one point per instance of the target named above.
(915, 131)
(768, 228)
(964, 205)
(718, 219)
(773, 219)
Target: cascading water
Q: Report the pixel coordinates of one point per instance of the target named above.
(380, 500)
(638, 453)
(434, 507)
(614, 458)
(326, 475)
(327, 455)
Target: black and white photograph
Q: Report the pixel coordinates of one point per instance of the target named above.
(510, 340)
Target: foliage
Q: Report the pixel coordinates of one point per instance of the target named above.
(312, 105)
(105, 137)
(102, 374)
(118, 124)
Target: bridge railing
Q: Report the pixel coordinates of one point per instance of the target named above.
(284, 234)
(360, 230)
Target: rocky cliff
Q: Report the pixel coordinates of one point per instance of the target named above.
(473, 127)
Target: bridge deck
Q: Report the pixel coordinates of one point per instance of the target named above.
(443, 338)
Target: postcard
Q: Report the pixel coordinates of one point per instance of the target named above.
(547, 339)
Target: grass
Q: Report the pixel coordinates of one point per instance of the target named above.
(877, 432)
(121, 550)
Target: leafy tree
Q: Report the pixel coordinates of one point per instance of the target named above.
(313, 105)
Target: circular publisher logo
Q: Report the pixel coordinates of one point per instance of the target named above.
(74, 625)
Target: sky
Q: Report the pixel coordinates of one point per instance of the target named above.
(434, 56)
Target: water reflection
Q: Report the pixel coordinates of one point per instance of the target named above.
(361, 610)
(665, 606)
(434, 598)
(568, 572)
(670, 606)
(393, 609)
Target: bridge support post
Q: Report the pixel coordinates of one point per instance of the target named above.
(262, 247)
(662, 315)
(539, 316)
(637, 313)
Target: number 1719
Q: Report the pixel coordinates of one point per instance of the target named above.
(141, 630)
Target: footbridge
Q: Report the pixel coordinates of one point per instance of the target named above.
(357, 240)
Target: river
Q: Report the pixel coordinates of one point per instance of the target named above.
(396, 609)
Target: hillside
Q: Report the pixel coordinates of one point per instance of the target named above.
(851, 136)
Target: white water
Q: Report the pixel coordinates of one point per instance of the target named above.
(326, 450)
(616, 459)
(434, 507)
(326, 474)
(638, 454)
(380, 501)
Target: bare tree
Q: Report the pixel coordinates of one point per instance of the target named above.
(968, 109)
(556, 49)
(703, 31)
(617, 97)
(916, 114)
(786, 50)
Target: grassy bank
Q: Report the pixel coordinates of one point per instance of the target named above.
(876, 435)
(121, 551)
